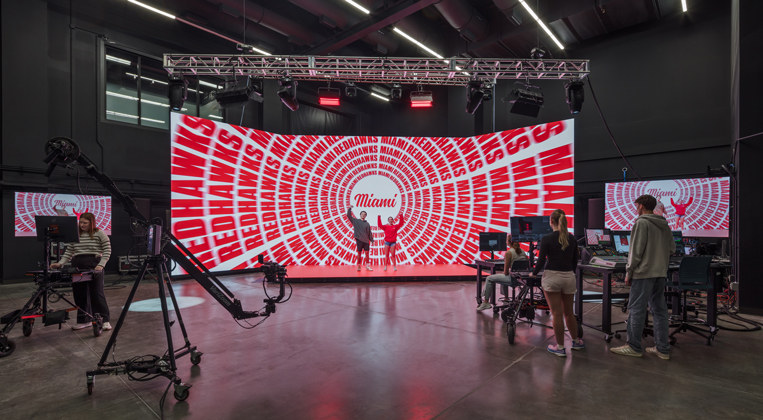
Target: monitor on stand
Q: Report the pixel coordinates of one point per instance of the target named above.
(678, 238)
(530, 228)
(599, 238)
(492, 241)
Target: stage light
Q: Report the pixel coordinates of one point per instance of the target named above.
(177, 91)
(474, 96)
(288, 92)
(350, 90)
(328, 96)
(397, 91)
(359, 7)
(542, 25)
(238, 96)
(573, 91)
(152, 9)
(421, 99)
(487, 92)
(525, 101)
(683, 5)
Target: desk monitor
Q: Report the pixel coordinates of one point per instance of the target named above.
(493, 241)
(599, 237)
(530, 228)
(622, 242)
(58, 228)
(678, 238)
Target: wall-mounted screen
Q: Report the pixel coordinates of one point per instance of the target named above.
(28, 205)
(238, 192)
(697, 207)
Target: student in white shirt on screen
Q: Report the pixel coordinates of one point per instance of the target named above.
(90, 253)
(515, 253)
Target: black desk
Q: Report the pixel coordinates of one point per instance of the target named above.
(606, 296)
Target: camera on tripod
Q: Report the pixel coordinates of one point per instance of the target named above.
(154, 239)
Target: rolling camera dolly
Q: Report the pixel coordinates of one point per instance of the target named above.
(37, 307)
(64, 152)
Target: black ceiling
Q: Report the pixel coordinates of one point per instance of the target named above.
(323, 27)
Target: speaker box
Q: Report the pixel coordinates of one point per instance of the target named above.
(595, 213)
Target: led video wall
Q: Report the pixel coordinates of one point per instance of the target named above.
(28, 205)
(238, 192)
(698, 207)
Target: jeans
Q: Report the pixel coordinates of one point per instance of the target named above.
(650, 291)
(489, 284)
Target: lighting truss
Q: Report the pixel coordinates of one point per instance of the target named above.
(405, 70)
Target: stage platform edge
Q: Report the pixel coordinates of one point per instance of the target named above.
(404, 273)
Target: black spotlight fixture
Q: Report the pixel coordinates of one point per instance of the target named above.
(350, 90)
(574, 93)
(474, 96)
(397, 91)
(487, 91)
(288, 92)
(177, 92)
(525, 99)
(237, 96)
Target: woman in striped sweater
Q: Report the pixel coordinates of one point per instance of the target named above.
(90, 253)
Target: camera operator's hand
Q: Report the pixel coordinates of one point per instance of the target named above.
(99, 268)
(55, 266)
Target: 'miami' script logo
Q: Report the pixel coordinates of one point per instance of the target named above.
(377, 195)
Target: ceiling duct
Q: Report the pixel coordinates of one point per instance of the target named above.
(462, 16)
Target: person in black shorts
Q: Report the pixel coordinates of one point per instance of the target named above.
(363, 236)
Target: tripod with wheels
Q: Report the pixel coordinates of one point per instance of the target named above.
(159, 366)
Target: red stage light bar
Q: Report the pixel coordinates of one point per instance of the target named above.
(328, 96)
(421, 99)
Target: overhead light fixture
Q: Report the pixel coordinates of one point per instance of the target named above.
(573, 91)
(526, 99)
(487, 91)
(250, 49)
(203, 83)
(153, 9)
(350, 90)
(118, 60)
(288, 92)
(177, 91)
(329, 96)
(421, 99)
(376, 95)
(359, 7)
(424, 47)
(474, 96)
(237, 96)
(683, 5)
(542, 25)
(397, 91)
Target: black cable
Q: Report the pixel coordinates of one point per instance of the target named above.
(593, 94)
(161, 401)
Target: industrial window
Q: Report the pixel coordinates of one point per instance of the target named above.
(136, 92)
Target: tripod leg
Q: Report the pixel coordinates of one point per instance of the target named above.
(159, 268)
(175, 304)
(113, 337)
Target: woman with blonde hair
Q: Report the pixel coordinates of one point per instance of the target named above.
(90, 253)
(560, 249)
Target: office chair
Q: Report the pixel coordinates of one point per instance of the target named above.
(694, 274)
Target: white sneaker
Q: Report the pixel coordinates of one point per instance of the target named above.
(368, 267)
(106, 326)
(394, 268)
(485, 305)
(358, 268)
(385, 268)
(82, 326)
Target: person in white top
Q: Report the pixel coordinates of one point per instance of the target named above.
(90, 253)
(660, 208)
(515, 253)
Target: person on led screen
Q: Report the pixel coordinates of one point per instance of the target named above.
(558, 283)
(652, 244)
(390, 239)
(681, 211)
(90, 253)
(363, 236)
(659, 209)
(515, 254)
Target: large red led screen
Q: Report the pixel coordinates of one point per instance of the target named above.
(698, 207)
(29, 205)
(238, 192)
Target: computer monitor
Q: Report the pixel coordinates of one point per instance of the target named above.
(598, 237)
(57, 228)
(530, 228)
(678, 238)
(622, 242)
(493, 241)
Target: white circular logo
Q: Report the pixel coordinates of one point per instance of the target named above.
(377, 195)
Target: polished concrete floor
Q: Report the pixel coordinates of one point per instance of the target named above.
(372, 351)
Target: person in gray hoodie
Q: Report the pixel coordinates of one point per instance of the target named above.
(648, 259)
(363, 236)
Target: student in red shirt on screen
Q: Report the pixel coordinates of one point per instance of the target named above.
(681, 211)
(390, 239)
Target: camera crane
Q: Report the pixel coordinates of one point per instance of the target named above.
(63, 151)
